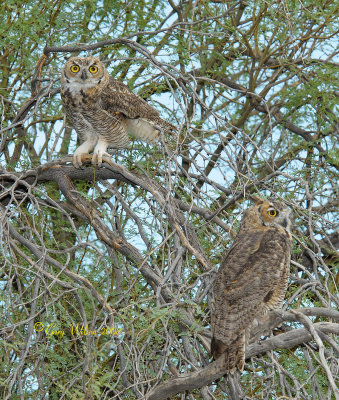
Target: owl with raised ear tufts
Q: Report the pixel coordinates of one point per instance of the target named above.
(252, 279)
(103, 111)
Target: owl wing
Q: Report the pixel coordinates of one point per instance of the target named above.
(142, 119)
(251, 280)
(117, 98)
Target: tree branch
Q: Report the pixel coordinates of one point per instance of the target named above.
(216, 369)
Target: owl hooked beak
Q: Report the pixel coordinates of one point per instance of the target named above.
(84, 75)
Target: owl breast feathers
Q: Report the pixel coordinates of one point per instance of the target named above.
(103, 111)
(252, 279)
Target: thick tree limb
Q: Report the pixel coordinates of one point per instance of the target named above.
(63, 175)
(216, 369)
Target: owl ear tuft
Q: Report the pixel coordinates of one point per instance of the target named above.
(256, 199)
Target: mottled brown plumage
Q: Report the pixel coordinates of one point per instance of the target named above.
(252, 279)
(103, 111)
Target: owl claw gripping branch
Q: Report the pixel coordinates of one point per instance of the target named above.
(103, 111)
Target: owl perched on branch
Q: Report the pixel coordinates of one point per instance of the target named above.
(252, 279)
(103, 111)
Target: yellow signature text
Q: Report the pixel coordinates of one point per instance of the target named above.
(50, 331)
(75, 330)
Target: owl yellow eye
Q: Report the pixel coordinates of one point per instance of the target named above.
(93, 69)
(272, 213)
(75, 68)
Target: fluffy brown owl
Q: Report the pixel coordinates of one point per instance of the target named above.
(103, 110)
(252, 279)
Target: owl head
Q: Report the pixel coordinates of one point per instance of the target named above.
(83, 73)
(267, 213)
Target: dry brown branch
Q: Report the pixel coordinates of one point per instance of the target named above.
(215, 370)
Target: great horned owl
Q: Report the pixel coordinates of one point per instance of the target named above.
(104, 111)
(252, 279)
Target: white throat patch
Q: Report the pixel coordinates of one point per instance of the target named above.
(76, 87)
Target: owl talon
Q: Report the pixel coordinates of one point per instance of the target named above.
(99, 157)
(80, 159)
(77, 162)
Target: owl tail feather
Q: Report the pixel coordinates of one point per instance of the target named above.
(234, 353)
